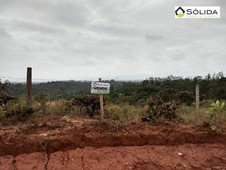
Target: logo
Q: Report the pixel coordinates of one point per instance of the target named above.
(180, 12)
(197, 12)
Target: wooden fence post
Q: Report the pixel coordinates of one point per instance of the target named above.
(197, 100)
(28, 88)
(101, 105)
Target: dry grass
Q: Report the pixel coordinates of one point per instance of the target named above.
(189, 115)
(124, 112)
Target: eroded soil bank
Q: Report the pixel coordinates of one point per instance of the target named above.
(186, 156)
(78, 143)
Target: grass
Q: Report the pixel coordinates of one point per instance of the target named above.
(124, 112)
(189, 116)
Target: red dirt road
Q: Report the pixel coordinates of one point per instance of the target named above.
(74, 143)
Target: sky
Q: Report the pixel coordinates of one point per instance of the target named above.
(111, 39)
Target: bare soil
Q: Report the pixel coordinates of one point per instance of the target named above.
(62, 142)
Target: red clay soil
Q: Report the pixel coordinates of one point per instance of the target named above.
(149, 157)
(75, 143)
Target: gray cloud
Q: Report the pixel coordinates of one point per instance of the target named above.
(88, 39)
(4, 33)
(72, 13)
(153, 37)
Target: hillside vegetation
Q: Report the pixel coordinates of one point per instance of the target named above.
(152, 100)
(211, 87)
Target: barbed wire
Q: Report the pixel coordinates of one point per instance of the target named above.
(34, 79)
(104, 78)
(19, 79)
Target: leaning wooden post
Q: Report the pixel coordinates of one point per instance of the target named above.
(101, 105)
(28, 88)
(197, 100)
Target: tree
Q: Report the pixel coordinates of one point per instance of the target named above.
(61, 93)
(4, 93)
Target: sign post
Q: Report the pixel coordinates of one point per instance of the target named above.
(28, 88)
(100, 88)
(197, 100)
(101, 104)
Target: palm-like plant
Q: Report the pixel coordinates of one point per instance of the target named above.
(216, 108)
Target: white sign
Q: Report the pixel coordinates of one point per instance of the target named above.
(100, 88)
(197, 11)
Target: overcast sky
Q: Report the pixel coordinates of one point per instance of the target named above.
(112, 39)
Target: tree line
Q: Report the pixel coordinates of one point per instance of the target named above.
(212, 86)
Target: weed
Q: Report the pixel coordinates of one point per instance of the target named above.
(45, 145)
(216, 108)
(2, 112)
(42, 99)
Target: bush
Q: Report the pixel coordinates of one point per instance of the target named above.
(4, 93)
(158, 109)
(216, 108)
(42, 99)
(206, 103)
(186, 97)
(165, 103)
(2, 112)
(88, 104)
(182, 97)
(16, 108)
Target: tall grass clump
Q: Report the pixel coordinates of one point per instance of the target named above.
(124, 113)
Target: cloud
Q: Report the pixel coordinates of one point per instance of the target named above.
(153, 38)
(87, 39)
(4, 33)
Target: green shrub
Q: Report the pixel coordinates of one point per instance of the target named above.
(42, 100)
(4, 93)
(185, 97)
(88, 104)
(2, 112)
(17, 108)
(160, 108)
(216, 109)
(206, 103)
(217, 106)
